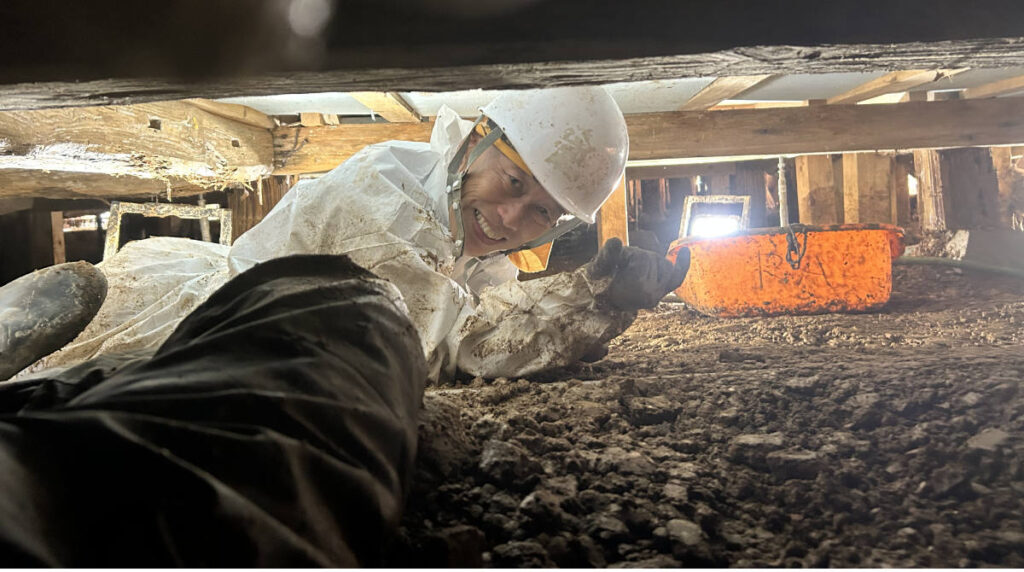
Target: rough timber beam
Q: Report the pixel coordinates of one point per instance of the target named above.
(555, 71)
(721, 89)
(892, 83)
(391, 106)
(692, 134)
(995, 89)
(128, 151)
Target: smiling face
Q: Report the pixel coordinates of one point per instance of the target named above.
(503, 207)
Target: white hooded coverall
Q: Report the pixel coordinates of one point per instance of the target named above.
(386, 208)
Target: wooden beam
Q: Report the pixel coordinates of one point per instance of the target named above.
(995, 88)
(300, 150)
(892, 82)
(721, 89)
(867, 188)
(554, 66)
(820, 200)
(390, 105)
(236, 112)
(680, 171)
(826, 129)
(693, 134)
(128, 151)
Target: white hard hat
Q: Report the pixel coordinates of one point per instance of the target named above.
(573, 139)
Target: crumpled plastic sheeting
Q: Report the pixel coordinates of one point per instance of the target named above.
(152, 285)
(386, 208)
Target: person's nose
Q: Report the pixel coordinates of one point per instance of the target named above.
(512, 213)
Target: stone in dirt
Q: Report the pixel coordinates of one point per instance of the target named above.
(507, 463)
(794, 464)
(575, 551)
(619, 460)
(444, 445)
(458, 546)
(988, 440)
(490, 427)
(736, 356)
(651, 410)
(659, 561)
(608, 529)
(684, 532)
(520, 554)
(751, 449)
(675, 494)
(543, 508)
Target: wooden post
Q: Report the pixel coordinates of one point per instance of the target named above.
(901, 191)
(867, 188)
(821, 201)
(972, 188)
(1006, 177)
(249, 208)
(930, 190)
(613, 219)
(721, 184)
(57, 232)
(749, 181)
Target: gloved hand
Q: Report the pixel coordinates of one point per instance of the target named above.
(640, 278)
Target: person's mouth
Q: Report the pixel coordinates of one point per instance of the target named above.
(486, 229)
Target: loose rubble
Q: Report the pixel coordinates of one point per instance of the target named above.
(873, 440)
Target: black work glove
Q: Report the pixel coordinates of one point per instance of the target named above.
(640, 278)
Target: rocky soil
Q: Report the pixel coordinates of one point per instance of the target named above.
(887, 439)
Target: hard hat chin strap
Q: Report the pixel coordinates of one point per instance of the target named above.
(552, 233)
(456, 174)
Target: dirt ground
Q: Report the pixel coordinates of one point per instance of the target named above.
(885, 439)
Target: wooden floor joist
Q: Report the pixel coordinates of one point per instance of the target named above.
(675, 135)
(892, 82)
(721, 89)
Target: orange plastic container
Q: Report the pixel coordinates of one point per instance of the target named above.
(844, 268)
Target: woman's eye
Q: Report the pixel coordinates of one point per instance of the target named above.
(515, 182)
(544, 213)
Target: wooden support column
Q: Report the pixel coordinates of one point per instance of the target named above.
(972, 188)
(901, 191)
(1002, 162)
(57, 234)
(721, 184)
(749, 181)
(930, 190)
(867, 188)
(820, 199)
(250, 207)
(613, 218)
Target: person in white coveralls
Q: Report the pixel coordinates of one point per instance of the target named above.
(269, 416)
